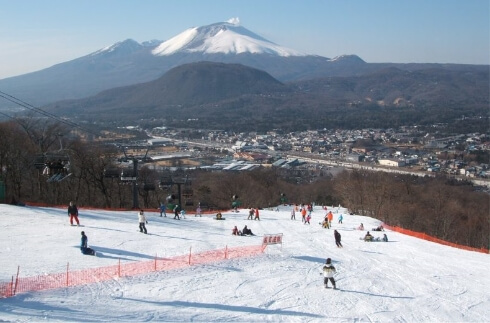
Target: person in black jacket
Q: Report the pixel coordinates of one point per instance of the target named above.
(73, 213)
(83, 246)
(337, 238)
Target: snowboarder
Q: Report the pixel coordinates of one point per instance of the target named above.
(163, 209)
(368, 237)
(73, 213)
(83, 246)
(247, 231)
(142, 220)
(337, 238)
(328, 272)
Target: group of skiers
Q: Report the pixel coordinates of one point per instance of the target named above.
(253, 212)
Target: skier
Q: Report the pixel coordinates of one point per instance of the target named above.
(257, 214)
(251, 214)
(176, 212)
(163, 209)
(385, 238)
(303, 214)
(308, 218)
(198, 211)
(142, 220)
(337, 238)
(328, 272)
(73, 213)
(293, 214)
(330, 218)
(83, 246)
(340, 218)
(182, 213)
(236, 232)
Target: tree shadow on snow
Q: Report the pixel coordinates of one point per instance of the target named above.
(233, 308)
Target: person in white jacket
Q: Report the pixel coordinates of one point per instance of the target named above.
(142, 221)
(328, 272)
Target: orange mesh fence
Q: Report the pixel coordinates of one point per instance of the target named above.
(433, 239)
(93, 275)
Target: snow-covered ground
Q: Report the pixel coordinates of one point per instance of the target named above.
(403, 280)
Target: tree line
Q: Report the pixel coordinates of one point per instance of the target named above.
(450, 210)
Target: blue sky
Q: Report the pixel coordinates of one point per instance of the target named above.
(36, 34)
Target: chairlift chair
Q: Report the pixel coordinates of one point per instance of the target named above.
(54, 165)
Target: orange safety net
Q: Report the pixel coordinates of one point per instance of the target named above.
(433, 239)
(93, 275)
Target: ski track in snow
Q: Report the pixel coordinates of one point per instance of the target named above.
(404, 280)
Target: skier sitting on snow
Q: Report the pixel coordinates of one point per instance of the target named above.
(361, 227)
(328, 272)
(380, 228)
(219, 216)
(83, 246)
(368, 237)
(385, 238)
(236, 232)
(247, 231)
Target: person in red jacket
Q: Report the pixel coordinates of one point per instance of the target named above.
(257, 214)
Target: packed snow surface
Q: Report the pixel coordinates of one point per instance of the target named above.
(403, 280)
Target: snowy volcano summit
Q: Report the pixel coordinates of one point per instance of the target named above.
(221, 38)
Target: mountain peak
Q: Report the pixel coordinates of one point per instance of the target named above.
(225, 38)
(125, 46)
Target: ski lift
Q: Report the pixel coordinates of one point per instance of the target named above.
(112, 173)
(127, 175)
(56, 166)
(165, 183)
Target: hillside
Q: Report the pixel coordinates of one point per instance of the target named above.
(250, 99)
(403, 280)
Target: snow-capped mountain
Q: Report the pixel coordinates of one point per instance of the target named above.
(129, 62)
(225, 38)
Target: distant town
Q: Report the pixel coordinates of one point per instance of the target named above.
(406, 150)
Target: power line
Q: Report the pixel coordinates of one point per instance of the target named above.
(30, 107)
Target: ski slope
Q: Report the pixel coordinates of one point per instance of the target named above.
(403, 280)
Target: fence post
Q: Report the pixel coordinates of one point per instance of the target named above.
(12, 287)
(156, 255)
(226, 252)
(67, 272)
(190, 251)
(16, 280)
(119, 268)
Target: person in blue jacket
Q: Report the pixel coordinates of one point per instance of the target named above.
(83, 246)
